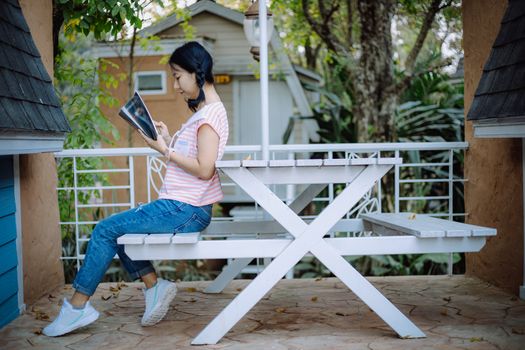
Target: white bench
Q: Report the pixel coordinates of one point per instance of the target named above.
(159, 238)
(421, 226)
(288, 237)
(403, 233)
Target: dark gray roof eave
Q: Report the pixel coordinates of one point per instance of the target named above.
(500, 94)
(28, 101)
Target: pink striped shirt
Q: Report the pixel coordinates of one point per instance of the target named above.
(183, 186)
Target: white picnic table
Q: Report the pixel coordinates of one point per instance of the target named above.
(398, 234)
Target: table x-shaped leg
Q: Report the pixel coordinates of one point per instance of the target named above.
(308, 238)
(237, 265)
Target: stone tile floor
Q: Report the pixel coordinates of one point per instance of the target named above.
(455, 312)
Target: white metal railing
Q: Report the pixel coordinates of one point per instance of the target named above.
(411, 153)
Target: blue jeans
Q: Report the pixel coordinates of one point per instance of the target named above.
(160, 216)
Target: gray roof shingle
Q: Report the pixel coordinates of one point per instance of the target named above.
(27, 97)
(501, 90)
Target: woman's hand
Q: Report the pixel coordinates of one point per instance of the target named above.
(163, 131)
(159, 145)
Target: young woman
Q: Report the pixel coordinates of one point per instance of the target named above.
(191, 186)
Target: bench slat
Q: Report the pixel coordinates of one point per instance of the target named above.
(335, 162)
(309, 162)
(218, 228)
(425, 226)
(362, 161)
(185, 238)
(132, 238)
(474, 229)
(158, 238)
(401, 223)
(228, 164)
(239, 229)
(254, 163)
(282, 162)
(390, 160)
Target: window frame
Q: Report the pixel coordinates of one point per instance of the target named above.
(162, 74)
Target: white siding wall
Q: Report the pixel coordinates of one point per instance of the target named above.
(231, 56)
(231, 50)
(225, 91)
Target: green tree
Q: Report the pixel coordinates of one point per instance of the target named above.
(81, 88)
(82, 85)
(100, 18)
(352, 42)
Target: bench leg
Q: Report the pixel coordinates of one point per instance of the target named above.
(365, 291)
(306, 197)
(227, 275)
(251, 295)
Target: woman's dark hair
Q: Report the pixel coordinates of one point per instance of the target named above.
(194, 58)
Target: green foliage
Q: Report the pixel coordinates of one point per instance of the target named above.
(82, 91)
(401, 265)
(188, 30)
(339, 54)
(446, 30)
(101, 18)
(294, 29)
(335, 120)
(432, 112)
(382, 265)
(416, 122)
(83, 85)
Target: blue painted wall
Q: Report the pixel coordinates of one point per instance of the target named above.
(8, 257)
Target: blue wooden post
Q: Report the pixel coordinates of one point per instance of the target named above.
(8, 256)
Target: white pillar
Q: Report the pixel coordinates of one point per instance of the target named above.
(522, 287)
(19, 248)
(264, 79)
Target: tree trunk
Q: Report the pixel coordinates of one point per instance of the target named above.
(373, 84)
(311, 54)
(131, 58)
(58, 20)
(368, 66)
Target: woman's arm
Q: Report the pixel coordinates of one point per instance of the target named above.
(208, 147)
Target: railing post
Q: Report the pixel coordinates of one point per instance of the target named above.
(450, 264)
(522, 287)
(396, 184)
(132, 182)
(148, 176)
(75, 191)
(451, 184)
(265, 131)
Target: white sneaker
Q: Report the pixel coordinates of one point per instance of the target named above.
(70, 319)
(158, 299)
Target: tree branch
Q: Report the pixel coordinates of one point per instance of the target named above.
(405, 82)
(323, 29)
(423, 32)
(350, 25)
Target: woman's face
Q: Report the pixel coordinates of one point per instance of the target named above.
(185, 82)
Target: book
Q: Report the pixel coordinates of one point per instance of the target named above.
(137, 115)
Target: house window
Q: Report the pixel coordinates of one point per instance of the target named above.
(151, 82)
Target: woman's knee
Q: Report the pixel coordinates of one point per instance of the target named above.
(103, 230)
